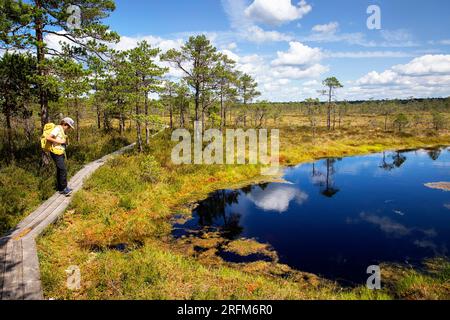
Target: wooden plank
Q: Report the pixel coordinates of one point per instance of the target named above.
(76, 186)
(35, 215)
(3, 244)
(49, 219)
(42, 216)
(7, 273)
(13, 281)
(31, 273)
(31, 223)
(90, 170)
(80, 180)
(58, 208)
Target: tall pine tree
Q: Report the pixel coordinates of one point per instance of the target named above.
(76, 24)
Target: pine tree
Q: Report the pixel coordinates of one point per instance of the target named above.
(145, 77)
(248, 90)
(226, 78)
(74, 84)
(97, 69)
(196, 59)
(16, 88)
(332, 85)
(76, 23)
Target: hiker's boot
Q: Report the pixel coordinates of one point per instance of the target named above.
(67, 192)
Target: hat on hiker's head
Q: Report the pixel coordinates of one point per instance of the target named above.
(69, 122)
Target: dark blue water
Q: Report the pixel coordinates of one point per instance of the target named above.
(336, 217)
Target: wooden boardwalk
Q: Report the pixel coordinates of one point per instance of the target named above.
(19, 263)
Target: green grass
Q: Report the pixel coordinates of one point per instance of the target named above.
(431, 282)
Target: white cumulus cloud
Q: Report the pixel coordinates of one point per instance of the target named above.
(383, 78)
(276, 12)
(299, 62)
(425, 65)
(245, 27)
(298, 54)
(425, 76)
(428, 70)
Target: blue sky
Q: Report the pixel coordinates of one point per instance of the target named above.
(291, 46)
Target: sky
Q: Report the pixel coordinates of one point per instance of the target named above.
(290, 47)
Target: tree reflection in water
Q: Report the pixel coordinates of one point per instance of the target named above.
(212, 212)
(325, 180)
(434, 154)
(398, 160)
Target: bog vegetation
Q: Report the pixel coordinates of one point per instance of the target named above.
(119, 97)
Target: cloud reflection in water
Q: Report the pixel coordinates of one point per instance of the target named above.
(277, 197)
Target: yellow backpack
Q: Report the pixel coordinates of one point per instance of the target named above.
(46, 145)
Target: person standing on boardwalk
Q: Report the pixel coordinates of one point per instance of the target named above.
(58, 138)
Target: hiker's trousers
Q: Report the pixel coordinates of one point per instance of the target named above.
(61, 171)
